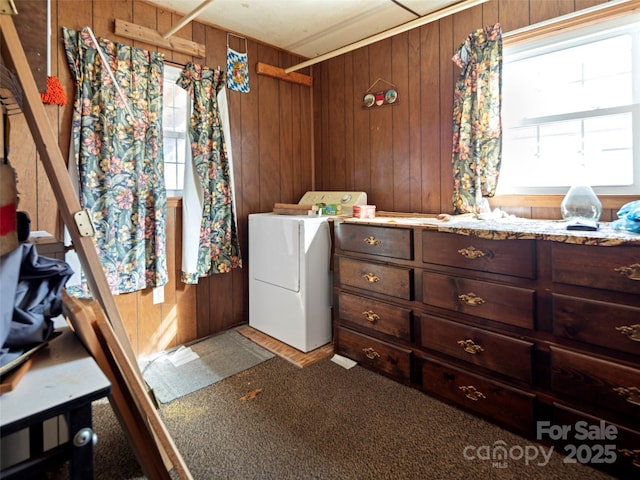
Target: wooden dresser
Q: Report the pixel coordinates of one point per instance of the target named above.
(536, 331)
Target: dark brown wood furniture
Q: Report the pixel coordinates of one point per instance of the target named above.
(529, 330)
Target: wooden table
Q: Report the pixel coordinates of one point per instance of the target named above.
(62, 381)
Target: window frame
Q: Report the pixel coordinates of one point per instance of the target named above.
(564, 24)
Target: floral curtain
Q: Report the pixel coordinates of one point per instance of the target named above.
(477, 125)
(117, 149)
(210, 233)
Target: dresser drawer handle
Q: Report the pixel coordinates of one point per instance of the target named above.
(371, 353)
(371, 278)
(632, 272)
(371, 316)
(630, 394)
(632, 332)
(470, 346)
(472, 253)
(633, 454)
(471, 393)
(371, 240)
(471, 299)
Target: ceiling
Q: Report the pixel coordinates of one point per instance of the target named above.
(308, 28)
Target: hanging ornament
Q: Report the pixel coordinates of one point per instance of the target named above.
(237, 68)
(381, 97)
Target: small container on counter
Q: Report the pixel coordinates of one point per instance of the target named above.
(364, 211)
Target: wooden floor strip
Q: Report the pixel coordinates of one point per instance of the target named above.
(283, 350)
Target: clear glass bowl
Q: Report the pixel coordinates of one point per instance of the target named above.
(581, 203)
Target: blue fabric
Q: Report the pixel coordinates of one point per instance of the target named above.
(628, 217)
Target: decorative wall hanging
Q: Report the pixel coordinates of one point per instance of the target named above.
(237, 67)
(380, 98)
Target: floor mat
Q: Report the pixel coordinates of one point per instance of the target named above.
(219, 357)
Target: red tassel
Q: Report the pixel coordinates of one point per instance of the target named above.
(55, 93)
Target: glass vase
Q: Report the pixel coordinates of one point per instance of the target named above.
(581, 203)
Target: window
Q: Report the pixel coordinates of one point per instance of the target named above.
(571, 110)
(175, 116)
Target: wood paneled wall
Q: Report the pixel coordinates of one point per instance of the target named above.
(401, 154)
(272, 154)
(288, 139)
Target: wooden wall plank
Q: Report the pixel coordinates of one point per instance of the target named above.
(334, 171)
(350, 95)
(321, 126)
(361, 123)
(186, 301)
(297, 176)
(164, 21)
(435, 123)
(150, 328)
(185, 33)
(413, 96)
(144, 14)
(447, 77)
(249, 182)
(104, 18)
(31, 24)
(128, 307)
(490, 13)
(545, 9)
(220, 300)
(400, 123)
(287, 159)
(269, 132)
(216, 49)
(514, 14)
(307, 156)
(381, 130)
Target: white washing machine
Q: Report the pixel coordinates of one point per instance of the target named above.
(289, 272)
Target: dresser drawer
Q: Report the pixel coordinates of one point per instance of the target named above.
(510, 257)
(586, 378)
(376, 277)
(376, 316)
(625, 445)
(610, 268)
(504, 404)
(604, 324)
(502, 303)
(382, 356)
(384, 241)
(502, 354)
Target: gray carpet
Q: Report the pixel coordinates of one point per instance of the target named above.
(323, 422)
(219, 357)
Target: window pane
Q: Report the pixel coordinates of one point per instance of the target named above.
(609, 143)
(176, 108)
(169, 150)
(595, 75)
(171, 177)
(571, 108)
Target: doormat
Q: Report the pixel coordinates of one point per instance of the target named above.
(218, 357)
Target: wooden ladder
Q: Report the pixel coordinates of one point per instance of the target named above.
(107, 338)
